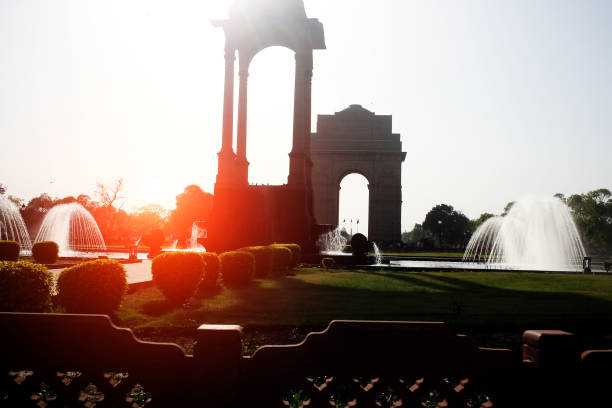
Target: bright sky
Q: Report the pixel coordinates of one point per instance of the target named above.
(493, 99)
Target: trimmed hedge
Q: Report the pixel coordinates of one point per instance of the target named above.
(237, 268)
(282, 258)
(264, 259)
(45, 252)
(296, 252)
(92, 287)
(211, 271)
(9, 250)
(178, 274)
(25, 287)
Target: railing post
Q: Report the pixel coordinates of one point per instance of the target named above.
(217, 356)
(555, 358)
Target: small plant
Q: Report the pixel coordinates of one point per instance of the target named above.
(211, 270)
(25, 287)
(178, 274)
(282, 258)
(9, 250)
(264, 259)
(328, 262)
(607, 266)
(45, 252)
(92, 287)
(237, 268)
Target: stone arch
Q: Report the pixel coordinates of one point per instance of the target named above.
(264, 214)
(356, 175)
(356, 140)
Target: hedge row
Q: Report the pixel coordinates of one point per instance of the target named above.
(90, 287)
(275, 258)
(25, 287)
(44, 252)
(9, 250)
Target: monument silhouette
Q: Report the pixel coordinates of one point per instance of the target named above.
(245, 214)
(354, 140)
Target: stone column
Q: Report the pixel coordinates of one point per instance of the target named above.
(307, 135)
(242, 163)
(226, 155)
(296, 157)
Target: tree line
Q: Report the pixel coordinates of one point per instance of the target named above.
(118, 226)
(446, 227)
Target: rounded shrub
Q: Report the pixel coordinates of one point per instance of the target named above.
(178, 274)
(211, 270)
(296, 254)
(264, 259)
(25, 287)
(45, 252)
(92, 287)
(9, 250)
(282, 258)
(237, 268)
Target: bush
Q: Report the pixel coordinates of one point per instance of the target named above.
(237, 268)
(25, 287)
(296, 254)
(264, 259)
(45, 252)
(9, 250)
(282, 258)
(211, 271)
(328, 263)
(178, 274)
(92, 287)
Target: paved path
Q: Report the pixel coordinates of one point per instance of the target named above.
(136, 272)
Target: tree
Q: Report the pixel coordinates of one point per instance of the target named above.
(146, 219)
(105, 214)
(481, 220)
(507, 208)
(561, 197)
(417, 234)
(34, 212)
(593, 215)
(109, 194)
(16, 200)
(447, 225)
(193, 204)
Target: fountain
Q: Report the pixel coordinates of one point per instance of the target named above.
(377, 254)
(12, 226)
(197, 232)
(537, 233)
(74, 230)
(333, 242)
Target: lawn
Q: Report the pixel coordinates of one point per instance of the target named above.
(493, 306)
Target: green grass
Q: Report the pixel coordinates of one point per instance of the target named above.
(314, 297)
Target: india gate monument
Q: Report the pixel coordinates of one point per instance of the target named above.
(353, 140)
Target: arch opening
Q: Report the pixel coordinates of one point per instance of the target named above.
(270, 113)
(353, 203)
